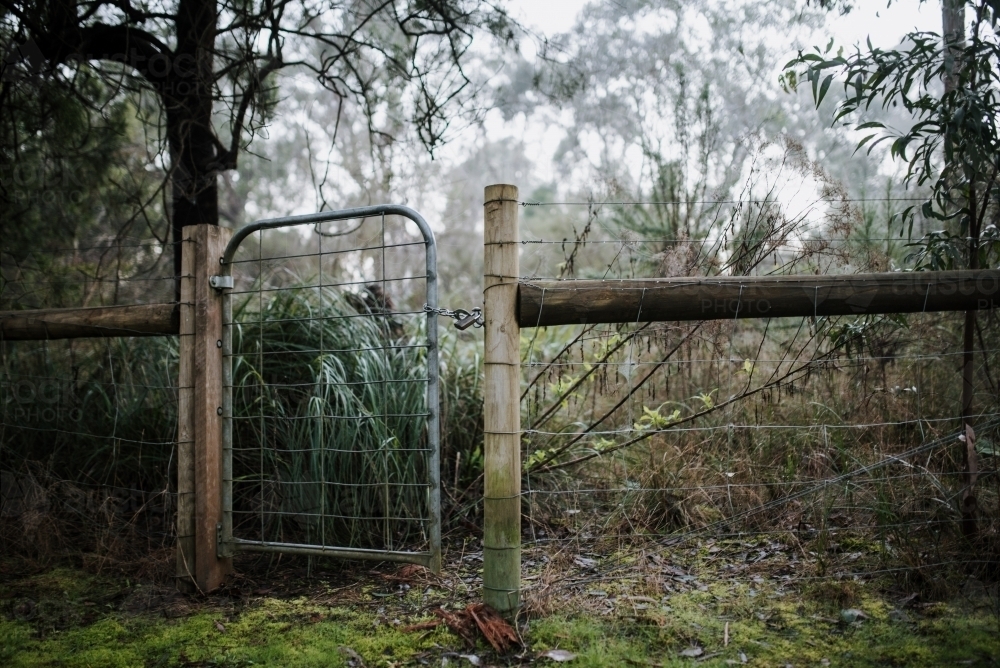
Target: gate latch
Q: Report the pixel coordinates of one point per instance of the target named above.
(221, 282)
(463, 319)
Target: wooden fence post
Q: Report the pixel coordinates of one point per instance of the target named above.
(501, 410)
(199, 429)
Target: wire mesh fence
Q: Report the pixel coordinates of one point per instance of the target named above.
(88, 427)
(88, 450)
(332, 365)
(100, 272)
(796, 448)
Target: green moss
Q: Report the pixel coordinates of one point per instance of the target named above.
(290, 633)
(773, 631)
(770, 625)
(266, 632)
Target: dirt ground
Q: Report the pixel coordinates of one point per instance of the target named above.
(754, 601)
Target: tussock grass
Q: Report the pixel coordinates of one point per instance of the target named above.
(87, 451)
(343, 434)
(330, 442)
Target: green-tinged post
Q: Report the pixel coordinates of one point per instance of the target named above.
(501, 411)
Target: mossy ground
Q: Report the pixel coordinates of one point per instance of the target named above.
(776, 632)
(634, 608)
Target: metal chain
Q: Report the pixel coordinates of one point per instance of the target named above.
(463, 319)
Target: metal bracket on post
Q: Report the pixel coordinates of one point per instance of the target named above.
(221, 550)
(221, 282)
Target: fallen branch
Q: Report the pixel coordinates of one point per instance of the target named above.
(476, 616)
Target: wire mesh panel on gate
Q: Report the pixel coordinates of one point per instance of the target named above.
(333, 446)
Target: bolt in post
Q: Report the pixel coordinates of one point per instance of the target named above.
(501, 410)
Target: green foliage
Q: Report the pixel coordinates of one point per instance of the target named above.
(953, 145)
(653, 419)
(69, 169)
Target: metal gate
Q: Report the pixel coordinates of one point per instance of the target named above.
(330, 402)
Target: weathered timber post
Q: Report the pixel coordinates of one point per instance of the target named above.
(199, 402)
(501, 410)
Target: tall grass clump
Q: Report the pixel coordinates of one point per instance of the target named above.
(330, 438)
(461, 429)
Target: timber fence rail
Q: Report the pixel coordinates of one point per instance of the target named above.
(545, 303)
(735, 413)
(92, 322)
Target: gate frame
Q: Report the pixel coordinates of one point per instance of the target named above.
(227, 545)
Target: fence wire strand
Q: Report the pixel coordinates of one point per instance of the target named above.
(859, 446)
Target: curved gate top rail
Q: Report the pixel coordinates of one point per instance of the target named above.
(227, 543)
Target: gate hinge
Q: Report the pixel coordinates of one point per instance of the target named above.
(221, 282)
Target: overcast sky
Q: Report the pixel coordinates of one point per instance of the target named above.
(870, 18)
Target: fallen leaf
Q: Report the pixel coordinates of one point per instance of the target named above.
(411, 571)
(559, 655)
(354, 659)
(692, 652)
(898, 616)
(852, 615)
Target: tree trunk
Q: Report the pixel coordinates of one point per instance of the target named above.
(953, 32)
(194, 157)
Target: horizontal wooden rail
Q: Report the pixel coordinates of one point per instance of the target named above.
(543, 303)
(100, 321)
